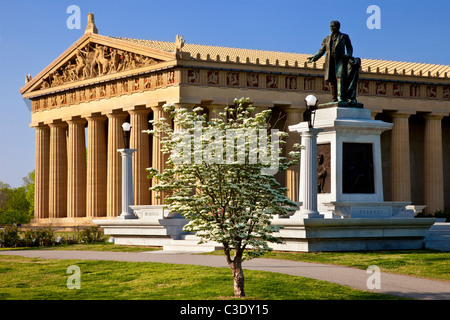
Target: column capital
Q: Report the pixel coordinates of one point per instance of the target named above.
(117, 115)
(191, 105)
(401, 114)
(140, 111)
(292, 109)
(81, 121)
(156, 108)
(58, 124)
(96, 117)
(434, 116)
(41, 126)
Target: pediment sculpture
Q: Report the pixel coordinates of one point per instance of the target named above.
(96, 60)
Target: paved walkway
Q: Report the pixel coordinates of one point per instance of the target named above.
(392, 284)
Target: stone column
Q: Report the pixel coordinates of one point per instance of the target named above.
(114, 169)
(141, 159)
(433, 164)
(96, 167)
(400, 158)
(58, 171)
(41, 177)
(76, 169)
(293, 116)
(308, 174)
(158, 158)
(127, 184)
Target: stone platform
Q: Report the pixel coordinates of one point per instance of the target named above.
(352, 214)
(356, 234)
(439, 237)
(154, 227)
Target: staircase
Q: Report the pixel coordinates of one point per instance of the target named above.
(438, 237)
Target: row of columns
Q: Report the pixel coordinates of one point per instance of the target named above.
(433, 168)
(69, 183)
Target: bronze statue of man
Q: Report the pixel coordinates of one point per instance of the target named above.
(339, 51)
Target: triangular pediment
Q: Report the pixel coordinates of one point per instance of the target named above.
(94, 58)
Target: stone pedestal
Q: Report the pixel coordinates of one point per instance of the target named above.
(355, 168)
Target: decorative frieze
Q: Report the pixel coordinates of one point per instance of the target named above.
(106, 90)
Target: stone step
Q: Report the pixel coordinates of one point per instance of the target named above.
(438, 237)
(191, 245)
(438, 245)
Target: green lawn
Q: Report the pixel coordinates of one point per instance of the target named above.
(419, 263)
(39, 279)
(28, 278)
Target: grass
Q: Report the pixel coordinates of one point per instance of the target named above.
(32, 278)
(100, 246)
(418, 263)
(428, 264)
(24, 278)
(104, 246)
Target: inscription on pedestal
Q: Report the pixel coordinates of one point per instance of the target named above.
(357, 168)
(373, 212)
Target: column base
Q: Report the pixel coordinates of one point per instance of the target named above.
(307, 214)
(126, 215)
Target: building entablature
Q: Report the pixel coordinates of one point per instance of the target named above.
(99, 67)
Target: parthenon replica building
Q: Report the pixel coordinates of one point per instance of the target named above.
(81, 99)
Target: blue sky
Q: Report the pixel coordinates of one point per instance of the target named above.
(33, 33)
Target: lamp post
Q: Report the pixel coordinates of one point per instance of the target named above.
(127, 175)
(308, 162)
(311, 107)
(126, 127)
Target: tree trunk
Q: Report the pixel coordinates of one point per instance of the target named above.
(236, 267)
(238, 276)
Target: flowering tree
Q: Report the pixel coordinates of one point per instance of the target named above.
(220, 176)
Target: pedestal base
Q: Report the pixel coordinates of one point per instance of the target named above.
(357, 234)
(152, 226)
(385, 209)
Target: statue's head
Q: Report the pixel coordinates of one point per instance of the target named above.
(335, 26)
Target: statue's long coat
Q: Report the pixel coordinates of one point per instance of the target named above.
(342, 43)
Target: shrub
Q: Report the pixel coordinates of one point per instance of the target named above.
(9, 236)
(41, 237)
(443, 214)
(30, 238)
(45, 237)
(91, 234)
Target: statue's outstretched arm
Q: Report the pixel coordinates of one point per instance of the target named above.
(320, 53)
